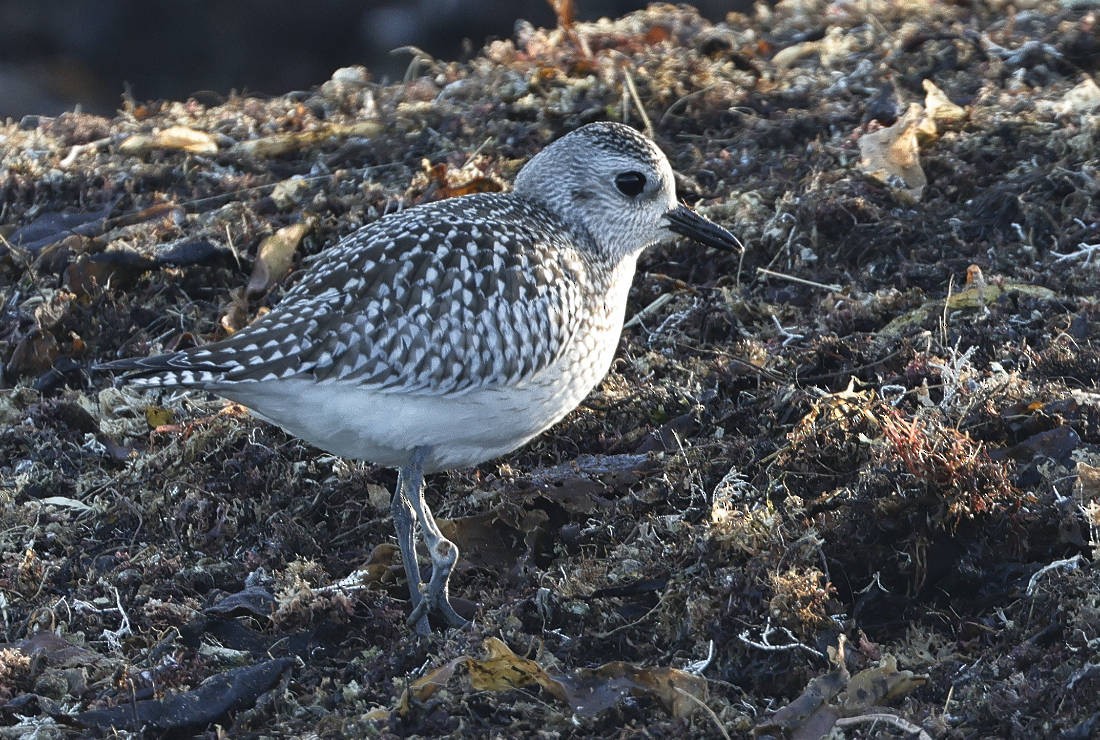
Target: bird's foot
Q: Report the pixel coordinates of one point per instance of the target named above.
(435, 597)
(439, 604)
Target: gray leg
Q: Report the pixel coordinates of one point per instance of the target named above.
(443, 552)
(403, 514)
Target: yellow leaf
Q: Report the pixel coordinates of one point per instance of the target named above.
(275, 257)
(158, 416)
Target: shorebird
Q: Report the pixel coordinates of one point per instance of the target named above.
(453, 332)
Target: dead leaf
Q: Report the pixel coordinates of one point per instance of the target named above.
(892, 155)
(53, 660)
(52, 226)
(1081, 100)
(878, 685)
(813, 699)
(276, 256)
(976, 297)
(277, 145)
(503, 670)
(89, 274)
(442, 184)
(66, 503)
(289, 192)
(35, 353)
(425, 687)
(378, 564)
(837, 694)
(939, 108)
(179, 138)
(671, 686)
(237, 313)
(252, 601)
(1088, 483)
(186, 252)
(587, 692)
(158, 416)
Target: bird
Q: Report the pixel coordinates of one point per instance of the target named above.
(453, 332)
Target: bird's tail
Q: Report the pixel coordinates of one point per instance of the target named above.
(172, 369)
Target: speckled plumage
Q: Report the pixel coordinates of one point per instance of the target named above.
(472, 292)
(455, 331)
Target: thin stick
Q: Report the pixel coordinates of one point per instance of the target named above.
(637, 102)
(891, 719)
(660, 301)
(713, 717)
(824, 286)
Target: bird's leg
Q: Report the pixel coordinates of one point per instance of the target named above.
(403, 521)
(443, 552)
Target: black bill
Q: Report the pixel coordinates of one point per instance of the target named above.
(686, 222)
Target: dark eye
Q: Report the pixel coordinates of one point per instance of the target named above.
(630, 184)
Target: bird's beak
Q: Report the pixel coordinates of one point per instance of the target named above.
(686, 222)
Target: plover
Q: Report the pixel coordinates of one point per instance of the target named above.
(453, 332)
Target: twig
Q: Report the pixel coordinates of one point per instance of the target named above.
(475, 152)
(813, 283)
(629, 78)
(788, 335)
(639, 620)
(419, 56)
(657, 303)
(79, 149)
(1068, 564)
(701, 665)
(1087, 671)
(764, 644)
(891, 719)
(684, 98)
(114, 637)
(1083, 250)
(710, 712)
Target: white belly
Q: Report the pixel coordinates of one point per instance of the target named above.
(461, 429)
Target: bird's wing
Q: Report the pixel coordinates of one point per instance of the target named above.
(474, 292)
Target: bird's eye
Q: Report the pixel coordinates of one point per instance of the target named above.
(630, 184)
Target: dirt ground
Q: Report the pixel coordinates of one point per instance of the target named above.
(842, 484)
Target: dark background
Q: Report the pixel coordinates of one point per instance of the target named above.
(57, 54)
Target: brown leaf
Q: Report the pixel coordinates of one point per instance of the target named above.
(441, 185)
(89, 274)
(892, 156)
(215, 697)
(378, 565)
(587, 692)
(52, 226)
(424, 687)
(838, 694)
(237, 313)
(940, 108)
(276, 256)
(503, 670)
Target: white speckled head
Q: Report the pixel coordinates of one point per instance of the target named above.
(609, 179)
